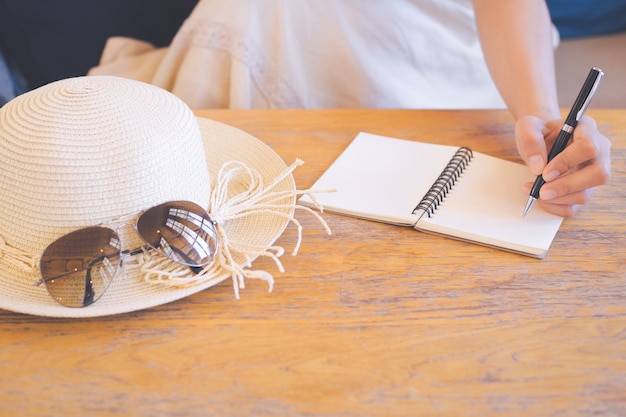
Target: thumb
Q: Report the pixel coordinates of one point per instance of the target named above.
(530, 138)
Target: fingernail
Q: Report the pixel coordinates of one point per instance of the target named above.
(535, 163)
(549, 176)
(547, 194)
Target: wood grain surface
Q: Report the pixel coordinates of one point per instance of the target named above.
(374, 320)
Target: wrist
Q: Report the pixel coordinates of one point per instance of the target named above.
(542, 111)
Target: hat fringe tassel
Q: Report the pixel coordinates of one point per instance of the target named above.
(16, 257)
(224, 207)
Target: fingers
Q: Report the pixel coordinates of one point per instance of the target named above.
(564, 205)
(574, 182)
(532, 136)
(530, 143)
(589, 148)
(572, 175)
(563, 210)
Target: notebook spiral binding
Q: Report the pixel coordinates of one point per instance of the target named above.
(444, 183)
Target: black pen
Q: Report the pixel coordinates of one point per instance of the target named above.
(578, 109)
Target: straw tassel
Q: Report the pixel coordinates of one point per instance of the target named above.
(256, 198)
(17, 257)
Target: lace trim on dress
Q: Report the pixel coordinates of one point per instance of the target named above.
(204, 33)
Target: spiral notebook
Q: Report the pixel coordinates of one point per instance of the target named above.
(439, 189)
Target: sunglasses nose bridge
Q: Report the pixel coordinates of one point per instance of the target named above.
(126, 228)
(124, 221)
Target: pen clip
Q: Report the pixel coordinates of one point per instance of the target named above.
(592, 92)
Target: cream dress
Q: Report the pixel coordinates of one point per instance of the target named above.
(317, 54)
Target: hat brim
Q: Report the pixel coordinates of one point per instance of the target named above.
(129, 291)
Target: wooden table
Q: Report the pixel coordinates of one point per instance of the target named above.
(374, 320)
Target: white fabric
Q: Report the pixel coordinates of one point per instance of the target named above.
(318, 54)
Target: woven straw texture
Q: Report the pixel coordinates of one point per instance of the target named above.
(85, 150)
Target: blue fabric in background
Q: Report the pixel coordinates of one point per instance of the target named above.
(578, 18)
(11, 83)
(7, 91)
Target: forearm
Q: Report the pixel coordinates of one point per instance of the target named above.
(516, 37)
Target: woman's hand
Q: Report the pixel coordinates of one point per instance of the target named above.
(572, 175)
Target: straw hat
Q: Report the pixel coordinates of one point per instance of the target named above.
(81, 151)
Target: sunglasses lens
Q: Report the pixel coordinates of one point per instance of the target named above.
(78, 267)
(180, 230)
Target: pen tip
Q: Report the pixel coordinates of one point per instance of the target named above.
(529, 205)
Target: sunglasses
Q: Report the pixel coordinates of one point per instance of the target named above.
(78, 267)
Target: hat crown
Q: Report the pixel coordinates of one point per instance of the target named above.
(79, 151)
